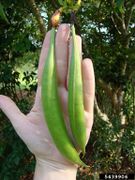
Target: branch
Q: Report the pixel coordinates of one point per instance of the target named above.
(115, 25)
(129, 15)
(105, 87)
(38, 17)
(120, 23)
(110, 93)
(102, 115)
(118, 20)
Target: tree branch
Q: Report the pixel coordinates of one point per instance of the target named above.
(120, 23)
(118, 20)
(129, 15)
(38, 17)
(115, 25)
(102, 115)
(105, 87)
(110, 93)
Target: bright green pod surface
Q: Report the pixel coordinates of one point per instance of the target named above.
(75, 96)
(52, 109)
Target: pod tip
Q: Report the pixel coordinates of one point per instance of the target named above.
(55, 20)
(85, 165)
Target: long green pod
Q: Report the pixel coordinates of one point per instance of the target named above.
(75, 96)
(52, 109)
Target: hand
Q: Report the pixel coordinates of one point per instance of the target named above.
(32, 128)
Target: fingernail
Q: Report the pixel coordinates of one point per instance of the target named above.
(64, 27)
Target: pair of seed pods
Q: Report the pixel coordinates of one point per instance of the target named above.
(52, 108)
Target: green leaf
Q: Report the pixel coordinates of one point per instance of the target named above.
(2, 14)
(65, 3)
(70, 2)
(60, 2)
(120, 5)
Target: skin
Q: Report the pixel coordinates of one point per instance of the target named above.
(31, 127)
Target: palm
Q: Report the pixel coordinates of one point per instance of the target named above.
(32, 127)
(41, 143)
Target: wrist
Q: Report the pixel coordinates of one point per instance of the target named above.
(47, 170)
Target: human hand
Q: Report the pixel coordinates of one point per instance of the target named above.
(32, 127)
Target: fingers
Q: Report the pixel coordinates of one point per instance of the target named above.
(61, 53)
(10, 109)
(43, 55)
(62, 43)
(88, 85)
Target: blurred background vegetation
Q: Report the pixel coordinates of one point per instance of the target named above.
(108, 32)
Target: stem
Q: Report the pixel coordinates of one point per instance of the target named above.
(38, 17)
(73, 18)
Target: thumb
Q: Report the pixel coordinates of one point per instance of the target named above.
(12, 111)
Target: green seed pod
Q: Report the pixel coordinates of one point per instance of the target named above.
(75, 96)
(52, 109)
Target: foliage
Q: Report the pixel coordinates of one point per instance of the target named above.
(113, 152)
(107, 30)
(18, 41)
(68, 6)
(2, 14)
(16, 160)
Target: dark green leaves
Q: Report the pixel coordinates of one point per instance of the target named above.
(69, 6)
(120, 5)
(2, 14)
(61, 2)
